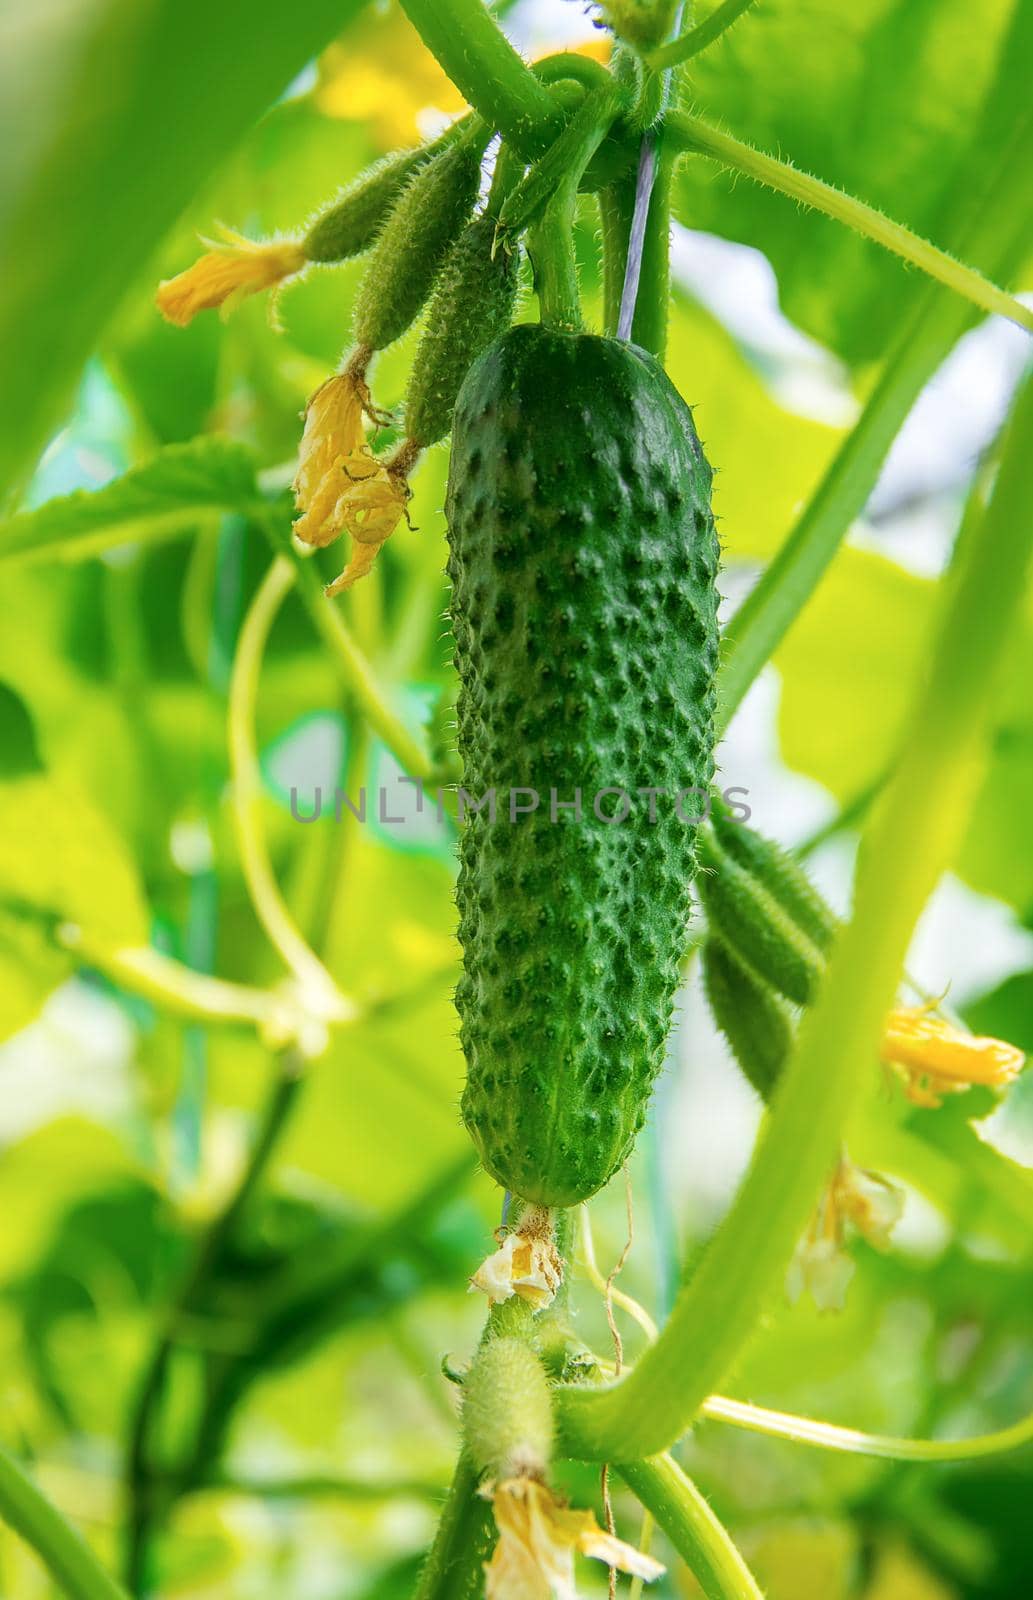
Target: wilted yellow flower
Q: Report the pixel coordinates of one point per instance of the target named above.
(936, 1058)
(527, 1263)
(333, 431)
(370, 510)
(538, 1537)
(340, 485)
(231, 269)
(821, 1266)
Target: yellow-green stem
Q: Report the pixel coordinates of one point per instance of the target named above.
(695, 1532)
(691, 133)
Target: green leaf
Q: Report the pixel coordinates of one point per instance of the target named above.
(847, 668)
(168, 494)
(18, 751)
(60, 862)
(899, 105)
(742, 425)
(114, 116)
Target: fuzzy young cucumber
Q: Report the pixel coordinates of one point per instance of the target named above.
(583, 561)
(756, 1022)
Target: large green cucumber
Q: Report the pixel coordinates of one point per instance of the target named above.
(583, 560)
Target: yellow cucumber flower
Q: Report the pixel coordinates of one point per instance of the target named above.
(231, 269)
(935, 1058)
(333, 431)
(526, 1264)
(538, 1538)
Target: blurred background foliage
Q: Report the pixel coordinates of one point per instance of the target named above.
(305, 1433)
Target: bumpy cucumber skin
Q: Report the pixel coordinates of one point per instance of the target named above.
(783, 877)
(428, 215)
(351, 223)
(471, 305)
(755, 1021)
(743, 912)
(583, 560)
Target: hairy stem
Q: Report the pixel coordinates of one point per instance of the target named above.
(549, 194)
(653, 301)
(699, 38)
(996, 237)
(852, 1441)
(485, 68)
(705, 1546)
(63, 1551)
(454, 1568)
(905, 849)
(691, 133)
(357, 675)
(616, 210)
(314, 980)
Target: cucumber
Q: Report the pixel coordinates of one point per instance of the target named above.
(781, 875)
(583, 560)
(471, 305)
(743, 912)
(756, 1022)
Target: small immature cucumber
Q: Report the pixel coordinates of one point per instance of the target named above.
(507, 1410)
(780, 874)
(583, 560)
(755, 1021)
(471, 305)
(747, 917)
(415, 238)
(350, 224)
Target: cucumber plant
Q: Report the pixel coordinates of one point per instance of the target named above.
(578, 764)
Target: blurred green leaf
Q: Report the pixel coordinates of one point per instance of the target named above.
(899, 104)
(59, 862)
(847, 668)
(114, 114)
(18, 750)
(742, 424)
(179, 486)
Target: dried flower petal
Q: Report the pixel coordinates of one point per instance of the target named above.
(821, 1267)
(526, 1264)
(230, 270)
(937, 1059)
(869, 1201)
(538, 1537)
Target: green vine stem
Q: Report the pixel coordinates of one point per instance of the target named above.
(63, 1551)
(996, 237)
(553, 184)
(616, 210)
(705, 1546)
(852, 1441)
(652, 304)
(699, 38)
(357, 674)
(146, 1495)
(485, 68)
(177, 989)
(454, 1569)
(907, 846)
(560, 170)
(692, 134)
(317, 986)
(810, 1430)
